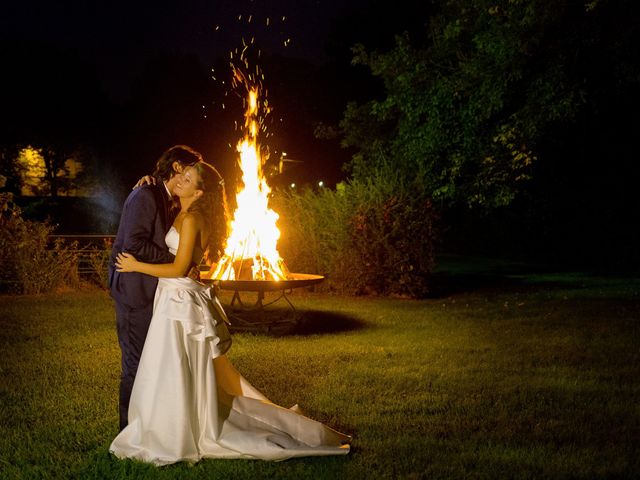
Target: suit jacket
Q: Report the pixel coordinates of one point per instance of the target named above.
(144, 222)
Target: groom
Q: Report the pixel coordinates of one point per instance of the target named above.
(146, 218)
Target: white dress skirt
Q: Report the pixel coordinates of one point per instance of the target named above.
(189, 402)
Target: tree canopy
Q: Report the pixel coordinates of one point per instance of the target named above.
(467, 102)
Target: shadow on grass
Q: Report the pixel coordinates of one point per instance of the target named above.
(315, 322)
(285, 322)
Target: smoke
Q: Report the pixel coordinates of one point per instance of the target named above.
(105, 211)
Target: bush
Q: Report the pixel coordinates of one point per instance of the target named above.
(314, 232)
(98, 260)
(29, 264)
(373, 236)
(392, 244)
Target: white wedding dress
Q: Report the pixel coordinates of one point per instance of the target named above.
(189, 402)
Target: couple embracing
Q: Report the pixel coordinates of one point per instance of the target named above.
(181, 399)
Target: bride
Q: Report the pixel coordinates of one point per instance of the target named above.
(188, 401)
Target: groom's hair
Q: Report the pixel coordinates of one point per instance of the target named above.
(183, 154)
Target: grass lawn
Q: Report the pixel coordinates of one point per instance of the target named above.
(504, 373)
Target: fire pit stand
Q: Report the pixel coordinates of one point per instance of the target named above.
(256, 317)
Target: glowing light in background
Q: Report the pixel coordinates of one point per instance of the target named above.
(32, 170)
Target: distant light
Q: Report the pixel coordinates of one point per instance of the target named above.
(293, 185)
(284, 154)
(321, 184)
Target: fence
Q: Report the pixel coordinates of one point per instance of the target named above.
(86, 246)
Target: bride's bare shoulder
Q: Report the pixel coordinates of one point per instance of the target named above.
(188, 221)
(193, 220)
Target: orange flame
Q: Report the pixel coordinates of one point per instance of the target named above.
(251, 250)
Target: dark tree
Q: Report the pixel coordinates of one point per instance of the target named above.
(467, 103)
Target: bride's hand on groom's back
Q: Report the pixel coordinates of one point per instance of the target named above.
(146, 180)
(125, 262)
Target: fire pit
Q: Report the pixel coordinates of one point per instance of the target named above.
(251, 261)
(253, 317)
(295, 280)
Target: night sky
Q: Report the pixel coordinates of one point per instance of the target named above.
(59, 54)
(116, 35)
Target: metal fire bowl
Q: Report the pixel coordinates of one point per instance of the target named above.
(296, 280)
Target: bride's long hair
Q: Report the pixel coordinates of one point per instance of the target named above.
(212, 206)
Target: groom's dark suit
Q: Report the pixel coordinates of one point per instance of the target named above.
(146, 218)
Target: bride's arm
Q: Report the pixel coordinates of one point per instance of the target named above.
(182, 263)
(146, 180)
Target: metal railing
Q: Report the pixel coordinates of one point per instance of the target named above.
(86, 245)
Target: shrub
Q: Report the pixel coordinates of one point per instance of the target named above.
(314, 229)
(373, 236)
(98, 260)
(392, 243)
(29, 264)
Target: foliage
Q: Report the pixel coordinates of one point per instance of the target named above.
(9, 172)
(314, 226)
(52, 171)
(32, 167)
(47, 171)
(393, 242)
(464, 105)
(98, 259)
(374, 235)
(30, 265)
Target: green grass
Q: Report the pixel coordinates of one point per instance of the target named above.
(500, 375)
